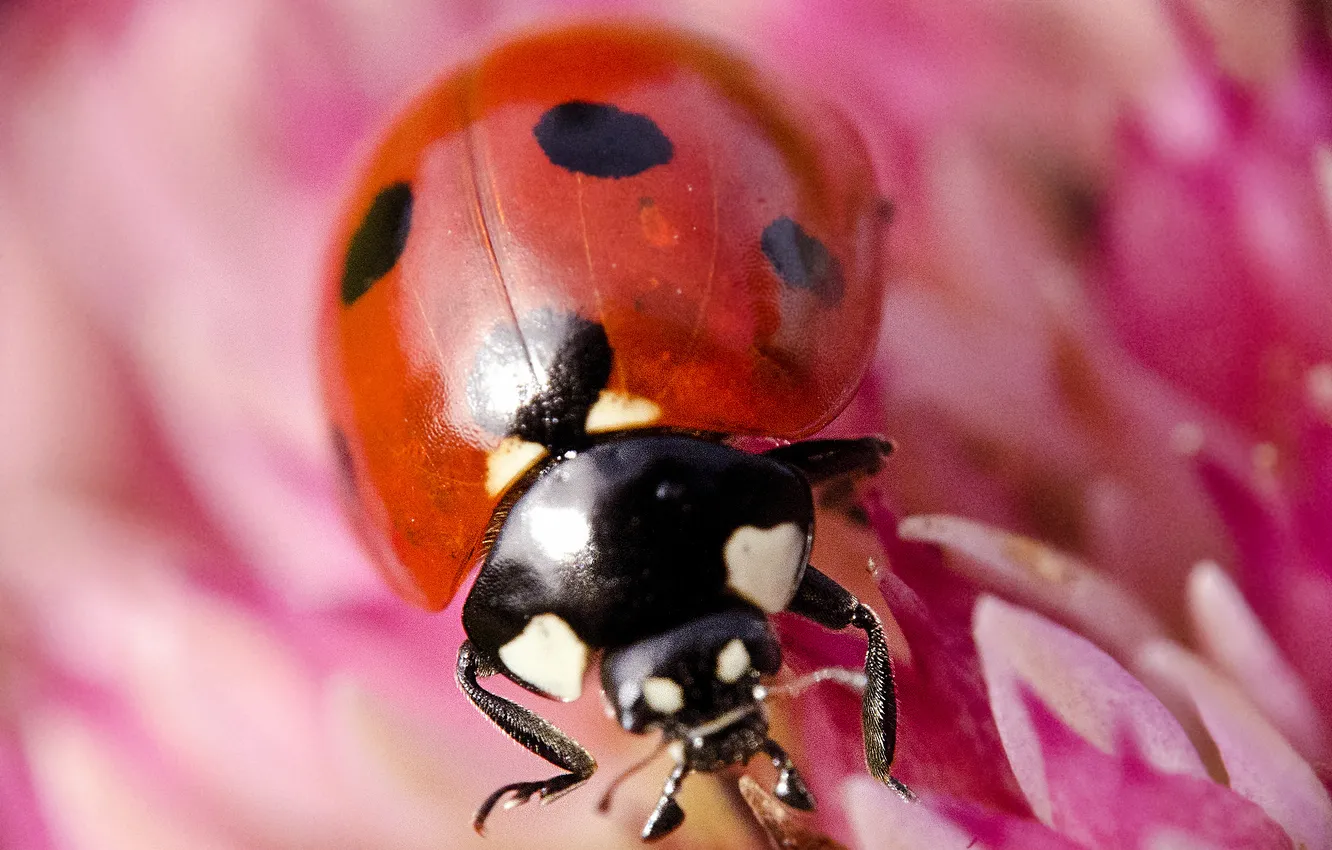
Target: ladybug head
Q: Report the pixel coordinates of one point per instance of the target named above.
(692, 675)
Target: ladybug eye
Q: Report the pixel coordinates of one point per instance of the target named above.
(600, 140)
(378, 242)
(801, 260)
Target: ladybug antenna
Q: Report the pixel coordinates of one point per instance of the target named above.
(844, 676)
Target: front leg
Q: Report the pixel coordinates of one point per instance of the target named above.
(821, 460)
(528, 729)
(827, 603)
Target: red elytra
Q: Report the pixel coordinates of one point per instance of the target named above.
(706, 332)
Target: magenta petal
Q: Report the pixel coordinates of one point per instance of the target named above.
(1261, 766)
(1020, 652)
(1041, 577)
(1228, 195)
(1002, 832)
(946, 726)
(884, 821)
(1289, 588)
(1109, 802)
(21, 821)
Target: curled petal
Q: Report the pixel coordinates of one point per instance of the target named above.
(1111, 801)
(1021, 651)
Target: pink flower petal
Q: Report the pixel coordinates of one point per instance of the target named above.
(882, 820)
(1261, 766)
(1022, 651)
(1289, 588)
(1113, 801)
(946, 726)
(22, 820)
(1041, 577)
(1229, 195)
(1231, 634)
(96, 797)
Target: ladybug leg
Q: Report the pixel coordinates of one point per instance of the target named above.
(827, 603)
(528, 729)
(821, 460)
(667, 815)
(790, 788)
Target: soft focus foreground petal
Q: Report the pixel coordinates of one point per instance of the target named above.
(1260, 765)
(238, 723)
(96, 797)
(1022, 652)
(1038, 576)
(1310, 485)
(1232, 636)
(882, 820)
(1174, 839)
(22, 823)
(189, 247)
(205, 687)
(1114, 801)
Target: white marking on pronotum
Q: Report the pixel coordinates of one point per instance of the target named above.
(510, 459)
(732, 661)
(615, 410)
(548, 655)
(762, 563)
(664, 696)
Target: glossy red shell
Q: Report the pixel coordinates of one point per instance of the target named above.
(668, 261)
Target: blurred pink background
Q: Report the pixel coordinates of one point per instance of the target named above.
(1110, 312)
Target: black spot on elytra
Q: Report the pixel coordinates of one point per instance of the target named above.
(377, 242)
(802, 261)
(600, 140)
(571, 357)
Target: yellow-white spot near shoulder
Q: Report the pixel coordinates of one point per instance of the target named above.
(510, 459)
(664, 696)
(762, 564)
(732, 661)
(548, 655)
(615, 410)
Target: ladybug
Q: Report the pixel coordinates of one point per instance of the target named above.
(569, 276)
